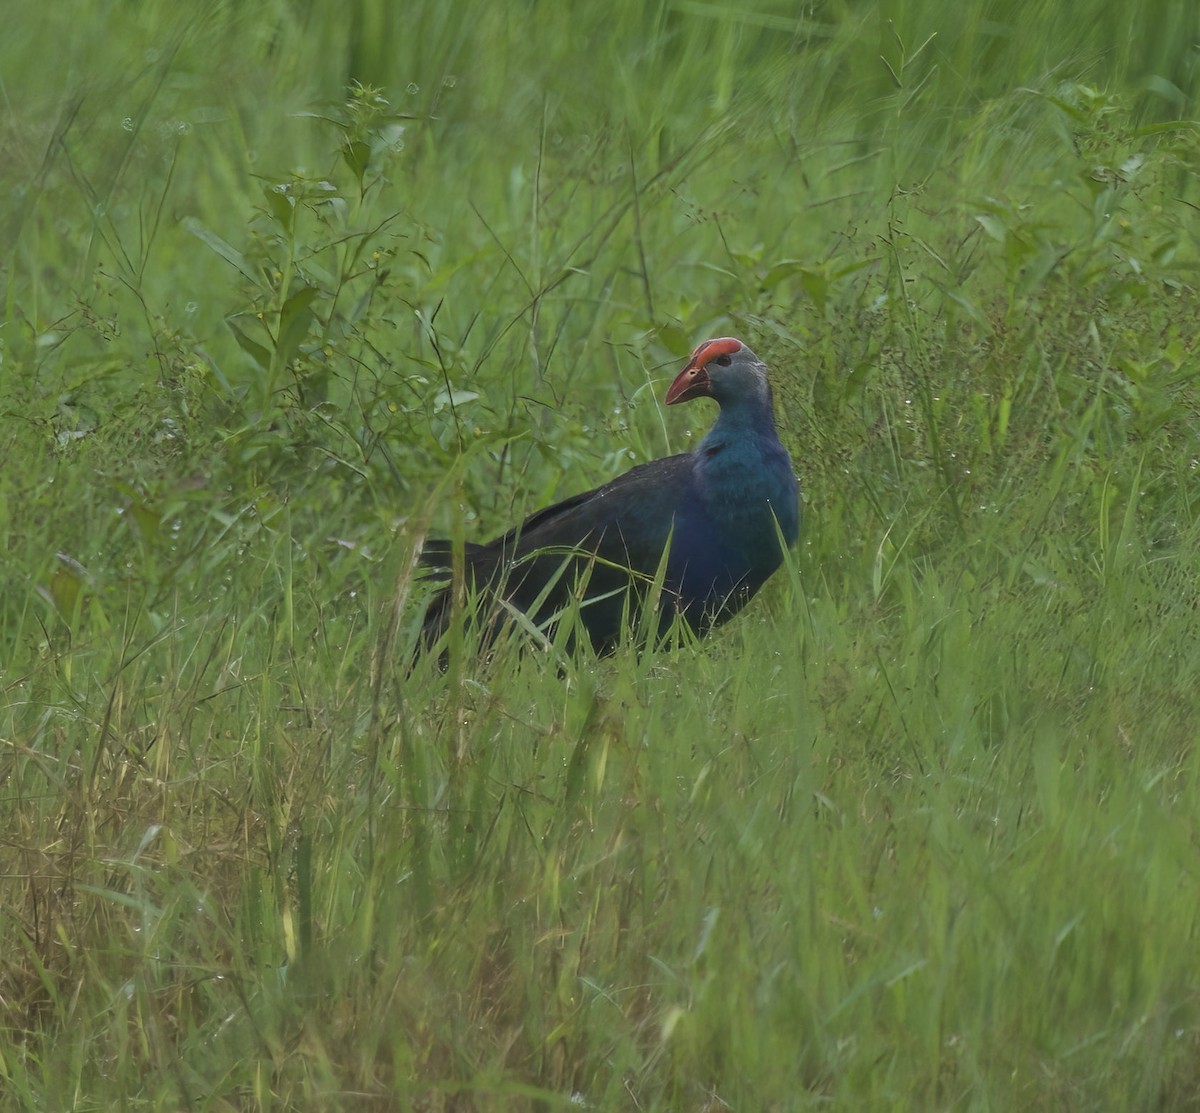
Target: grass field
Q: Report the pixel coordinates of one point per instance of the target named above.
(288, 285)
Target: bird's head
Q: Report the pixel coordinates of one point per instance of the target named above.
(723, 369)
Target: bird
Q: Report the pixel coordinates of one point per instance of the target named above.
(697, 533)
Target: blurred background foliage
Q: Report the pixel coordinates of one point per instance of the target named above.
(287, 284)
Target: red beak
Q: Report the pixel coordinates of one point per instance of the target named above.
(691, 382)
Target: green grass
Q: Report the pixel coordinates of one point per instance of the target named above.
(284, 288)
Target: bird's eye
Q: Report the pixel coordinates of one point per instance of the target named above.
(722, 361)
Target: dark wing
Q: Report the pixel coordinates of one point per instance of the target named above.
(625, 524)
(641, 504)
(627, 520)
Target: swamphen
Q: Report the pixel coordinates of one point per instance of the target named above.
(721, 509)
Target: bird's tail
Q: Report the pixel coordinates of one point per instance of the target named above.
(437, 556)
(440, 557)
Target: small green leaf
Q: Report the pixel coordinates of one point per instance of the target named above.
(227, 252)
(146, 521)
(295, 320)
(252, 348)
(816, 286)
(993, 226)
(281, 204)
(357, 155)
(64, 591)
(453, 398)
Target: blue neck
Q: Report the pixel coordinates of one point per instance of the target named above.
(740, 419)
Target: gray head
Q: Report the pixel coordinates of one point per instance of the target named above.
(726, 370)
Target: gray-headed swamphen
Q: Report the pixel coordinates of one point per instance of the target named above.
(718, 514)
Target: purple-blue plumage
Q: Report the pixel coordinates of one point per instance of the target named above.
(721, 509)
